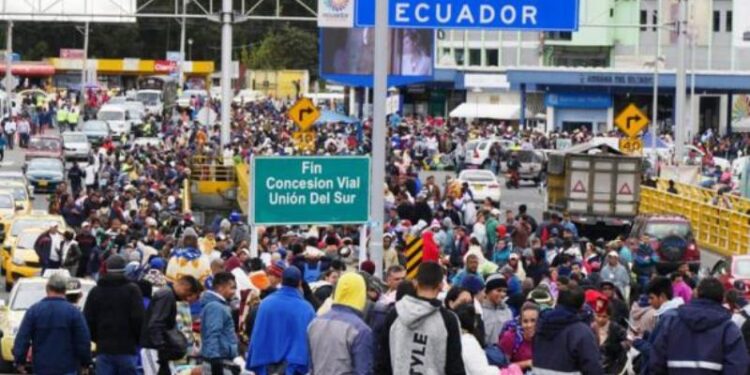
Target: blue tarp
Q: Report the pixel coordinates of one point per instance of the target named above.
(647, 141)
(327, 116)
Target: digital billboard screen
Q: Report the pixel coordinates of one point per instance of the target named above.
(347, 55)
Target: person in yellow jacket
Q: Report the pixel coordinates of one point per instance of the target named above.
(62, 117)
(73, 118)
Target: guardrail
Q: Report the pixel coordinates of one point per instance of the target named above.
(242, 171)
(701, 194)
(720, 230)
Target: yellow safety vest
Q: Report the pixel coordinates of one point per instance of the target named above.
(62, 115)
(73, 117)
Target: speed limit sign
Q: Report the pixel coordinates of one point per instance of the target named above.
(631, 145)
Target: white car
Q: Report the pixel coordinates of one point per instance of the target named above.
(482, 183)
(184, 100)
(248, 96)
(117, 117)
(76, 146)
(151, 99)
(478, 152)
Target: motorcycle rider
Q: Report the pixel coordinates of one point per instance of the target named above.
(513, 168)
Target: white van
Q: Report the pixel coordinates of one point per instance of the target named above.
(117, 117)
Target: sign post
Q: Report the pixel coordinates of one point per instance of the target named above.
(631, 121)
(310, 190)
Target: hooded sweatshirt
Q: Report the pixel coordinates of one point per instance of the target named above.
(421, 337)
(564, 343)
(340, 341)
(431, 252)
(721, 350)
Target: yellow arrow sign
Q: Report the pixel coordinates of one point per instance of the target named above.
(631, 121)
(304, 113)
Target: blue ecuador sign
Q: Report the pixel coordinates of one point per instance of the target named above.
(547, 15)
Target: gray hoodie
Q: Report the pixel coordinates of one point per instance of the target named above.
(422, 338)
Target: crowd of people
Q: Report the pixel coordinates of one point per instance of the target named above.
(498, 291)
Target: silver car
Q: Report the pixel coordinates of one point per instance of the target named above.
(76, 146)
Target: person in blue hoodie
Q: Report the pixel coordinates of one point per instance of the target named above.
(279, 340)
(564, 342)
(704, 321)
(218, 338)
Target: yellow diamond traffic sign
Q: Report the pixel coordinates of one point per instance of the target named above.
(631, 121)
(304, 113)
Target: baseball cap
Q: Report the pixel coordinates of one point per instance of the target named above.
(291, 277)
(116, 264)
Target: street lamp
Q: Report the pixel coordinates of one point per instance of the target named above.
(190, 49)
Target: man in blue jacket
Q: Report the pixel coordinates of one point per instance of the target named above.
(279, 340)
(219, 340)
(701, 338)
(563, 342)
(61, 348)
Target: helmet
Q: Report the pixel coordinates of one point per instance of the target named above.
(235, 217)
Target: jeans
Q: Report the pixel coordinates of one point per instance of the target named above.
(116, 364)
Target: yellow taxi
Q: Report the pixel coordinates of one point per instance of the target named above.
(23, 260)
(25, 293)
(21, 194)
(21, 223)
(8, 209)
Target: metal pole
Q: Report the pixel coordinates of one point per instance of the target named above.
(655, 105)
(82, 104)
(680, 86)
(226, 71)
(183, 26)
(8, 66)
(362, 244)
(692, 84)
(380, 88)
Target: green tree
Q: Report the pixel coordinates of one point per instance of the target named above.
(287, 48)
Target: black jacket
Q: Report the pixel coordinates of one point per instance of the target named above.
(161, 316)
(114, 313)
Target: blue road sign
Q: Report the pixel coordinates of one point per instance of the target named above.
(544, 15)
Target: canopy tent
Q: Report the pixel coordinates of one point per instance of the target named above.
(327, 116)
(489, 111)
(659, 143)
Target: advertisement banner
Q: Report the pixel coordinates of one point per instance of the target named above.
(336, 13)
(165, 66)
(71, 53)
(740, 113)
(347, 55)
(546, 15)
(741, 23)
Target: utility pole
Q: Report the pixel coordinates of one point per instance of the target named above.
(655, 104)
(380, 88)
(82, 104)
(226, 71)
(183, 26)
(680, 85)
(8, 66)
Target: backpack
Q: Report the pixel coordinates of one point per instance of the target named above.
(312, 274)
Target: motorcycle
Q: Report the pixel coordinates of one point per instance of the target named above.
(512, 179)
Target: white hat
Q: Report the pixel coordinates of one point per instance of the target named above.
(613, 254)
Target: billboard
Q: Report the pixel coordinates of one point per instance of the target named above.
(741, 113)
(741, 23)
(347, 55)
(116, 11)
(542, 15)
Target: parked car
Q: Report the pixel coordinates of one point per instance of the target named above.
(533, 164)
(733, 272)
(44, 174)
(117, 118)
(477, 153)
(482, 183)
(76, 146)
(671, 237)
(96, 131)
(152, 100)
(45, 146)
